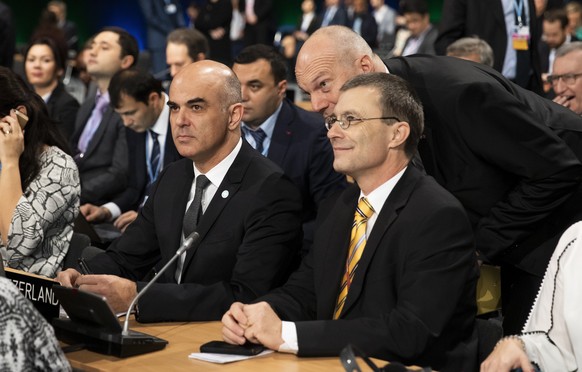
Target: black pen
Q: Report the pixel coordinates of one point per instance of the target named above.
(83, 266)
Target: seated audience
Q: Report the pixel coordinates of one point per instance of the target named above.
(184, 46)
(142, 104)
(291, 137)
(393, 267)
(472, 49)
(566, 78)
(28, 341)
(98, 141)
(551, 338)
(44, 65)
(246, 211)
(39, 183)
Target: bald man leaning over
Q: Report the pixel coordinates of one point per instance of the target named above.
(250, 222)
(488, 142)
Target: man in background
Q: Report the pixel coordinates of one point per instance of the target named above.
(291, 137)
(184, 46)
(142, 104)
(98, 141)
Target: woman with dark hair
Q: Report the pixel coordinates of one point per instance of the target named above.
(39, 182)
(44, 65)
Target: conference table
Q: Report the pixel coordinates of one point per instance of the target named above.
(185, 338)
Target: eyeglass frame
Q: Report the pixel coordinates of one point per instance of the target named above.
(554, 79)
(331, 120)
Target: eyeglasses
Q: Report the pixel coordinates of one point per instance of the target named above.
(568, 79)
(348, 358)
(349, 120)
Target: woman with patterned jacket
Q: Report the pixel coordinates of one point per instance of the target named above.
(39, 182)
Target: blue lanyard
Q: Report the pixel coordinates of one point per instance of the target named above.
(518, 7)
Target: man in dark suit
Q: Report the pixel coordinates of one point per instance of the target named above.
(142, 104)
(493, 145)
(401, 285)
(162, 17)
(334, 14)
(422, 32)
(259, 17)
(291, 137)
(491, 20)
(98, 141)
(247, 212)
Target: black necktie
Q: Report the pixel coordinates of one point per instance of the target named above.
(154, 157)
(195, 210)
(259, 136)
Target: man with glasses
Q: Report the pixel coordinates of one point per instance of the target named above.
(566, 78)
(494, 146)
(392, 269)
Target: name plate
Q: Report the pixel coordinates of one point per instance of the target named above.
(38, 290)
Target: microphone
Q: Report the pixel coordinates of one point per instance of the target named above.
(188, 243)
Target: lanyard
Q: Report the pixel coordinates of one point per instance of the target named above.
(518, 7)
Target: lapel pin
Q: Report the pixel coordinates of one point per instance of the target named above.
(224, 194)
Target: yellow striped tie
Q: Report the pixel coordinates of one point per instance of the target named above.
(357, 243)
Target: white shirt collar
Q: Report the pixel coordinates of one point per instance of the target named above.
(218, 172)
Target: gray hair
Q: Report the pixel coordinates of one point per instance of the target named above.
(568, 48)
(472, 45)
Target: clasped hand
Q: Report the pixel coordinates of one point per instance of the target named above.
(256, 323)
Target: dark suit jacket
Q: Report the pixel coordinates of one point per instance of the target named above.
(248, 235)
(485, 19)
(103, 168)
(488, 143)
(339, 18)
(427, 45)
(214, 15)
(133, 195)
(544, 54)
(159, 23)
(413, 294)
(63, 108)
(369, 30)
(300, 146)
(264, 30)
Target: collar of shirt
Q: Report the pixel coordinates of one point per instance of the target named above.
(47, 96)
(215, 176)
(161, 129)
(378, 197)
(268, 127)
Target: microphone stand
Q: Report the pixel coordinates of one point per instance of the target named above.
(188, 243)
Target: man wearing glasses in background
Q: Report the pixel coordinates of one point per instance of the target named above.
(392, 269)
(566, 78)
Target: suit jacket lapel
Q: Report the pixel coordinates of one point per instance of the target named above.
(337, 250)
(94, 142)
(225, 192)
(282, 134)
(389, 213)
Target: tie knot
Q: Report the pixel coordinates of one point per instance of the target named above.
(201, 182)
(101, 102)
(153, 134)
(259, 136)
(364, 208)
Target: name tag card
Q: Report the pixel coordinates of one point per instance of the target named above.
(38, 290)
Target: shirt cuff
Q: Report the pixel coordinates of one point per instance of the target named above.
(289, 336)
(113, 209)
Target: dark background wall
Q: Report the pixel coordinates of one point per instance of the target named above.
(90, 16)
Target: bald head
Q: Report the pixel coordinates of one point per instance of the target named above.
(205, 112)
(329, 58)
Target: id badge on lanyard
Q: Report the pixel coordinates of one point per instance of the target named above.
(521, 35)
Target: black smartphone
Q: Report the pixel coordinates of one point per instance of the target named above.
(221, 347)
